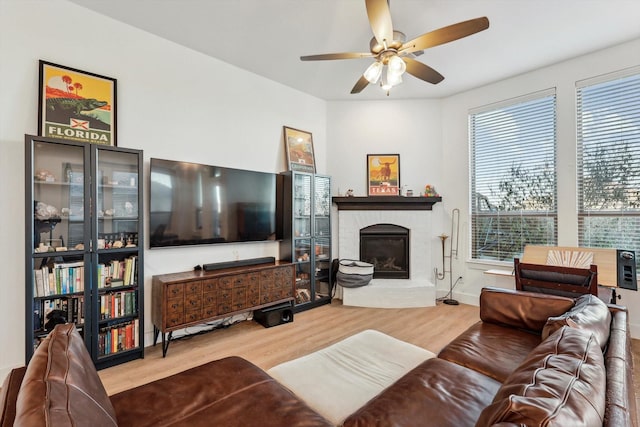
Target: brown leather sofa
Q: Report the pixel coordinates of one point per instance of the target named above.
(533, 359)
(61, 387)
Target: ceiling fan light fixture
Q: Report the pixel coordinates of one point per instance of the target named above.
(397, 64)
(373, 72)
(393, 78)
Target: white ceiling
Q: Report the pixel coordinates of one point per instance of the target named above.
(267, 37)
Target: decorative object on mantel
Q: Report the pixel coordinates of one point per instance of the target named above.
(385, 203)
(349, 193)
(383, 174)
(76, 105)
(430, 191)
(299, 148)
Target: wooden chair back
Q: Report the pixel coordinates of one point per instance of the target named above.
(554, 279)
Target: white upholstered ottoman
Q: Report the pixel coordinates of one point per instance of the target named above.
(341, 378)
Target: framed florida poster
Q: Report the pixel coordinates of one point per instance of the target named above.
(383, 174)
(76, 105)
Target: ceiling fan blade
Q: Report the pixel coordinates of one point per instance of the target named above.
(380, 20)
(360, 84)
(446, 34)
(422, 71)
(345, 55)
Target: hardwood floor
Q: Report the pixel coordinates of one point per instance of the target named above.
(431, 328)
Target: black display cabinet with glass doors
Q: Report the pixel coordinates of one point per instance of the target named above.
(84, 246)
(305, 217)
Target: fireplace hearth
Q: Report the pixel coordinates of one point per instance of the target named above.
(386, 246)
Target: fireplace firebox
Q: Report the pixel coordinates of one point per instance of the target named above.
(386, 246)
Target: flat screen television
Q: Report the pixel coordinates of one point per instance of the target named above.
(194, 204)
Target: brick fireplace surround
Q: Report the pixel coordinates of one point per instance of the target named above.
(414, 213)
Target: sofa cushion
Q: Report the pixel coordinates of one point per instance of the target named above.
(522, 310)
(561, 383)
(490, 349)
(589, 312)
(61, 386)
(230, 392)
(436, 393)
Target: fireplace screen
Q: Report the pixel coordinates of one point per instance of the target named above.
(386, 246)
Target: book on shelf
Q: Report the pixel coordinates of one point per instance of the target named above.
(118, 272)
(72, 307)
(118, 304)
(117, 338)
(63, 278)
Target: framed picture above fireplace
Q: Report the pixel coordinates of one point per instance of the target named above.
(383, 174)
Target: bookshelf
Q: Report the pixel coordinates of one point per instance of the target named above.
(84, 241)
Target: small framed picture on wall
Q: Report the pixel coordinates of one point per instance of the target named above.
(299, 148)
(383, 174)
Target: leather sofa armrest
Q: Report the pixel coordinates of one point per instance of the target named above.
(519, 309)
(9, 396)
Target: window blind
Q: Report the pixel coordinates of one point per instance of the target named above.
(513, 176)
(608, 131)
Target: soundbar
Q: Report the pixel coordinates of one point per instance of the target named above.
(239, 263)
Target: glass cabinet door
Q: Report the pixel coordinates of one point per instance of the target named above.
(58, 197)
(56, 258)
(117, 220)
(322, 267)
(117, 199)
(322, 206)
(302, 206)
(302, 261)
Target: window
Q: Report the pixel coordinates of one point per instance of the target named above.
(608, 126)
(513, 176)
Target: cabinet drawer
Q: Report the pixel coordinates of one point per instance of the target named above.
(193, 316)
(209, 299)
(225, 307)
(174, 312)
(267, 276)
(239, 295)
(233, 281)
(253, 294)
(175, 290)
(210, 285)
(191, 288)
(209, 311)
(224, 295)
(283, 274)
(175, 305)
(193, 303)
(174, 320)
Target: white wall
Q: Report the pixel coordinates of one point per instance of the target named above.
(455, 188)
(173, 103)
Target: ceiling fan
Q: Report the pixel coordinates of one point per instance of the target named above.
(390, 49)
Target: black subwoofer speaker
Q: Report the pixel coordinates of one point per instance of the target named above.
(273, 316)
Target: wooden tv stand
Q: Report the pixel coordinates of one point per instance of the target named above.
(190, 298)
